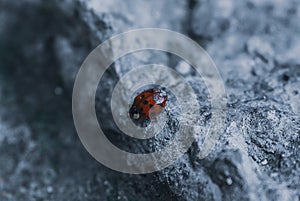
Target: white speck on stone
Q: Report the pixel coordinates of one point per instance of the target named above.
(183, 67)
(229, 181)
(49, 189)
(264, 162)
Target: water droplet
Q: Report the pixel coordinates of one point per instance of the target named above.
(264, 162)
(183, 67)
(229, 181)
(49, 189)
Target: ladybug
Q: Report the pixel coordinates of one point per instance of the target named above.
(147, 106)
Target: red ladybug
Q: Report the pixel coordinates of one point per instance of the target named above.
(147, 106)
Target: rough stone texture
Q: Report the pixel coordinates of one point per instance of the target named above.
(255, 45)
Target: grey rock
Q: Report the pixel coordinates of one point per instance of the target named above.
(255, 47)
(211, 18)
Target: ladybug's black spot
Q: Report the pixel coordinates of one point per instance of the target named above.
(142, 96)
(141, 109)
(145, 102)
(151, 105)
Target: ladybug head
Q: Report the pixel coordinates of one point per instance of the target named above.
(134, 113)
(137, 117)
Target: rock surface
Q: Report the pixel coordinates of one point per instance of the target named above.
(255, 45)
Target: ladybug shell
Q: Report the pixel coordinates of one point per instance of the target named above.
(147, 105)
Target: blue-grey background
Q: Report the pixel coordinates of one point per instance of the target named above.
(255, 45)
